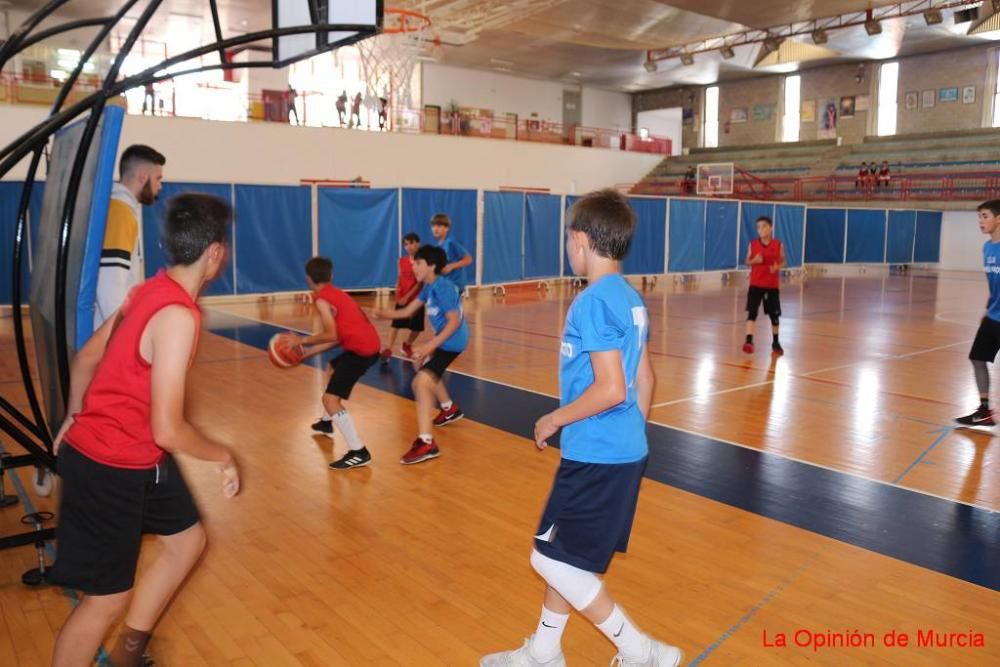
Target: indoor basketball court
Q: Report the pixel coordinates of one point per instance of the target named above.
(812, 501)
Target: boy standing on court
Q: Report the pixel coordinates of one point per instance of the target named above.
(432, 358)
(987, 342)
(115, 449)
(766, 258)
(407, 288)
(606, 386)
(457, 256)
(345, 324)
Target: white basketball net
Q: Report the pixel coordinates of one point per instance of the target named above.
(387, 62)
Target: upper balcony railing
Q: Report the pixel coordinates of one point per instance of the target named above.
(318, 109)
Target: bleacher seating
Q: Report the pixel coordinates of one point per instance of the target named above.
(935, 165)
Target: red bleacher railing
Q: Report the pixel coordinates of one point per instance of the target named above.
(978, 186)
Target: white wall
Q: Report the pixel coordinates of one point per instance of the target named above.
(272, 153)
(504, 93)
(961, 241)
(607, 109)
(663, 123)
(491, 90)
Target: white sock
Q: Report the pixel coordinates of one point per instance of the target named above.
(446, 405)
(546, 642)
(346, 426)
(426, 438)
(623, 634)
(327, 417)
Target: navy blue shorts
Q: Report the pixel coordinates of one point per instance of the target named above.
(589, 514)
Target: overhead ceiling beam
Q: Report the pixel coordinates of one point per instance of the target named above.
(810, 28)
(475, 16)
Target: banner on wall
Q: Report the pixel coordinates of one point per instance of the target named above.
(807, 111)
(828, 120)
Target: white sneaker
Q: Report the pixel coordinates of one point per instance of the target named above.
(520, 657)
(660, 655)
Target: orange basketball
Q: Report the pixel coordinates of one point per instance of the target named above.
(284, 352)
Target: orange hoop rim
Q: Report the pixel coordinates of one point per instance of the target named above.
(409, 20)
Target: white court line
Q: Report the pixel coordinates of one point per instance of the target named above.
(968, 320)
(259, 321)
(826, 467)
(809, 374)
(471, 375)
(710, 437)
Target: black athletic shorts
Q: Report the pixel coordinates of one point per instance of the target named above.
(589, 513)
(987, 342)
(770, 297)
(414, 323)
(439, 362)
(103, 514)
(347, 370)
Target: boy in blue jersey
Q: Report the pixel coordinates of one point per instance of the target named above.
(457, 257)
(606, 386)
(987, 342)
(451, 335)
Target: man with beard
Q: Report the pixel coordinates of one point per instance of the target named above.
(140, 180)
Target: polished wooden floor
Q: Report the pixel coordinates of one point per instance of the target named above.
(427, 565)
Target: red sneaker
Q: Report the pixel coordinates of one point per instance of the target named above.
(748, 348)
(420, 451)
(408, 350)
(386, 355)
(452, 414)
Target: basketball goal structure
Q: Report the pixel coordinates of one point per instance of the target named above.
(715, 178)
(388, 61)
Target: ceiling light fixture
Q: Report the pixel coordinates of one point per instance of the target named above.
(819, 36)
(873, 27)
(650, 66)
(966, 15)
(933, 17)
(687, 59)
(726, 52)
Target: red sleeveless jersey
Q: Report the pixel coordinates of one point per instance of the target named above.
(760, 274)
(356, 332)
(114, 426)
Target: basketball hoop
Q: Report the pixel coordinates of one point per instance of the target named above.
(388, 59)
(715, 179)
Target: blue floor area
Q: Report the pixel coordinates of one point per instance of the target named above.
(940, 535)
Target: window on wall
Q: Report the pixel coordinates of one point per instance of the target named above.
(996, 96)
(888, 85)
(324, 78)
(712, 117)
(790, 121)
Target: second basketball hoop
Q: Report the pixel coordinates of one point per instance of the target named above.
(715, 178)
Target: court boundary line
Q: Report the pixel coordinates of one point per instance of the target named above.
(745, 618)
(685, 430)
(810, 374)
(943, 435)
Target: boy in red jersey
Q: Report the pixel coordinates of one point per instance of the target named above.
(346, 325)
(125, 420)
(407, 288)
(766, 258)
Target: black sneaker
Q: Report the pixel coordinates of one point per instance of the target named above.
(324, 426)
(777, 349)
(353, 459)
(981, 417)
